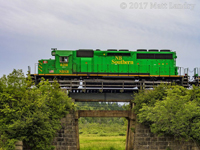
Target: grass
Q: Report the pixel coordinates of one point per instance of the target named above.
(103, 129)
(105, 136)
(96, 142)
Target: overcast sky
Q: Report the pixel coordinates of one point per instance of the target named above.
(30, 28)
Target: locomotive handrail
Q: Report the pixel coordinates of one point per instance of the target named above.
(36, 65)
(180, 70)
(186, 71)
(196, 71)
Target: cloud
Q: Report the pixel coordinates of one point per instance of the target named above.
(29, 28)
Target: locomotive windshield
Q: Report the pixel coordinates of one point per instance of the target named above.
(63, 59)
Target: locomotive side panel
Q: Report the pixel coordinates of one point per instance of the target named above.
(68, 62)
(157, 63)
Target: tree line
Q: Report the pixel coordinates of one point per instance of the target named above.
(101, 106)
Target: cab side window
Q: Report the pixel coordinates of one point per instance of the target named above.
(64, 59)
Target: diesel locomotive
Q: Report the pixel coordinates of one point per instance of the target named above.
(112, 63)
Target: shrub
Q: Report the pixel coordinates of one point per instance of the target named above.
(122, 134)
(30, 113)
(171, 110)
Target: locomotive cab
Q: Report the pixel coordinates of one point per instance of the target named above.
(63, 61)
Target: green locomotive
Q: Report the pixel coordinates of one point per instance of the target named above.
(86, 63)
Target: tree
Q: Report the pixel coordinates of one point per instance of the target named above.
(149, 97)
(176, 112)
(30, 113)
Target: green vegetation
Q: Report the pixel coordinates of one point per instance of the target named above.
(28, 113)
(101, 106)
(102, 129)
(97, 133)
(95, 142)
(170, 110)
(105, 136)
